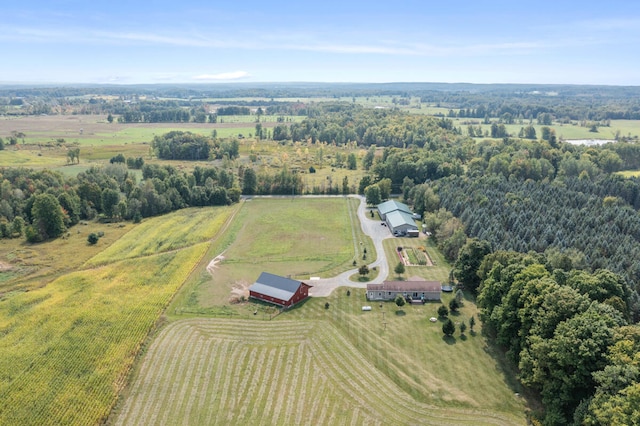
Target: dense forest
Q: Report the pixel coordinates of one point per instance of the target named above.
(544, 233)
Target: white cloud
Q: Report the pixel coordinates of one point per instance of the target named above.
(233, 75)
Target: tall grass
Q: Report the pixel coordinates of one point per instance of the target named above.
(67, 348)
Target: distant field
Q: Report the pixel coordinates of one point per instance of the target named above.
(95, 130)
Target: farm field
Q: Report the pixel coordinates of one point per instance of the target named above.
(67, 348)
(300, 369)
(176, 230)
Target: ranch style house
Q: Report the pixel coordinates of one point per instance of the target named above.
(278, 290)
(415, 288)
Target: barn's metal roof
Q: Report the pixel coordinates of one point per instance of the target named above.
(275, 286)
(392, 205)
(398, 218)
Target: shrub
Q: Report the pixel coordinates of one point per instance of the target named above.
(443, 311)
(93, 238)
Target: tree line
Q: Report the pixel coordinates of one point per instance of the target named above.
(40, 205)
(567, 329)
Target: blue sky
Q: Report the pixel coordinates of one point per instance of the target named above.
(185, 41)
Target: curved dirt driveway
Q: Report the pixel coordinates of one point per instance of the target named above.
(323, 287)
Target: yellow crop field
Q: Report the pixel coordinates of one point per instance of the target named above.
(164, 233)
(67, 348)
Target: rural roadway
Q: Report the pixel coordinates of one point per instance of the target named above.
(324, 286)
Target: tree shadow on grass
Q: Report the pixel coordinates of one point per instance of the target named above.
(463, 337)
(449, 340)
(400, 313)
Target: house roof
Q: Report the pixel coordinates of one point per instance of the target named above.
(393, 205)
(398, 218)
(417, 286)
(275, 286)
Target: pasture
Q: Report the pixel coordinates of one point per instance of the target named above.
(316, 238)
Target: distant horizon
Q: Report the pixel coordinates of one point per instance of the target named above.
(300, 82)
(197, 41)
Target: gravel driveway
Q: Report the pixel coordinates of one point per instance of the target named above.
(323, 287)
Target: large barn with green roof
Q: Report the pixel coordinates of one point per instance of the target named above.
(398, 217)
(392, 206)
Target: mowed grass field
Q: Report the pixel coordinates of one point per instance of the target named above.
(321, 366)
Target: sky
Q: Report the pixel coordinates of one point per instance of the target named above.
(187, 41)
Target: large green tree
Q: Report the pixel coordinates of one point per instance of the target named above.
(249, 182)
(469, 259)
(48, 217)
(372, 195)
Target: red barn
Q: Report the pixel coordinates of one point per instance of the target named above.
(278, 290)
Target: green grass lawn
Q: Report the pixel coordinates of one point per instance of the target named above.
(414, 353)
(438, 272)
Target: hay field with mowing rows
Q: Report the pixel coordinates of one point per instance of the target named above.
(218, 372)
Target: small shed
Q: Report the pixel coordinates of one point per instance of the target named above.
(279, 290)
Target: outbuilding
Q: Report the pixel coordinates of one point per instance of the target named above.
(392, 206)
(400, 223)
(279, 290)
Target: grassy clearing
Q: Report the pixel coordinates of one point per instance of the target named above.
(281, 372)
(173, 231)
(316, 238)
(31, 266)
(294, 230)
(67, 348)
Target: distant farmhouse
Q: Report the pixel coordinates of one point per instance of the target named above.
(399, 218)
(415, 288)
(278, 290)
